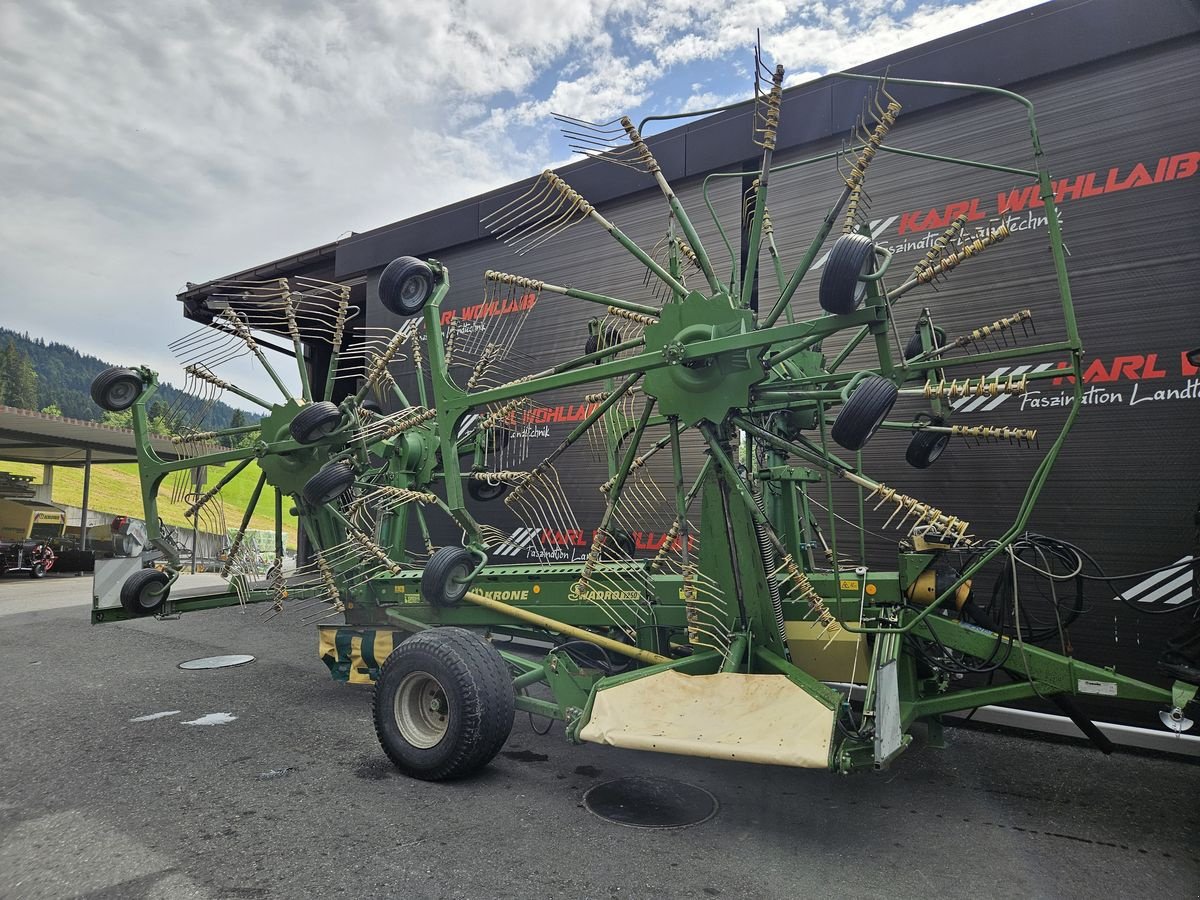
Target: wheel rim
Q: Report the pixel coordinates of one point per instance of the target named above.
(421, 711)
(323, 429)
(121, 394)
(149, 596)
(413, 290)
(938, 448)
(860, 287)
(456, 585)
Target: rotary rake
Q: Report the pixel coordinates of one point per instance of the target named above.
(737, 429)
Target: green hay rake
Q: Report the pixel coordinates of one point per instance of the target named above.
(738, 636)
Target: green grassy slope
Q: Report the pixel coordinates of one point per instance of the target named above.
(116, 489)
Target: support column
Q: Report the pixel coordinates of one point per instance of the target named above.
(87, 486)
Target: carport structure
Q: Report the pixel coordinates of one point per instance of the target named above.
(33, 437)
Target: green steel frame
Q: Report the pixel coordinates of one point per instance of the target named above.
(707, 362)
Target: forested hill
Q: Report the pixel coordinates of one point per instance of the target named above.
(64, 378)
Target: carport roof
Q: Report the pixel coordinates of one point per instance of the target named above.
(34, 437)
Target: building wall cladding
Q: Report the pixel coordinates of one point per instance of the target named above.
(1123, 153)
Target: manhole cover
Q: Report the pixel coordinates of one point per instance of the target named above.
(217, 662)
(651, 803)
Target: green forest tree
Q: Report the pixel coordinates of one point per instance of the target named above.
(18, 380)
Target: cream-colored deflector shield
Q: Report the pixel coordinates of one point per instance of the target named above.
(752, 718)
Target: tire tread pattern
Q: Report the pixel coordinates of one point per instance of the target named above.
(856, 422)
(486, 702)
(838, 292)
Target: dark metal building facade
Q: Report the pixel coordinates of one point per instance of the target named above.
(1111, 84)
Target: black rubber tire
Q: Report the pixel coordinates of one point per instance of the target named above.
(623, 540)
(328, 484)
(913, 347)
(484, 491)
(473, 684)
(144, 592)
(612, 337)
(867, 407)
(117, 389)
(925, 448)
(438, 585)
(405, 286)
(315, 421)
(852, 256)
(38, 570)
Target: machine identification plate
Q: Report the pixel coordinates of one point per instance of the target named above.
(1103, 688)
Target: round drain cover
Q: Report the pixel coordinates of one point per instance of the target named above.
(651, 802)
(217, 662)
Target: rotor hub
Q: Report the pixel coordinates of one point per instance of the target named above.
(694, 385)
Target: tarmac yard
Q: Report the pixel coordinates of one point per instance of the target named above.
(112, 785)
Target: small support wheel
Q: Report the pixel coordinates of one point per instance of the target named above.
(486, 491)
(37, 570)
(328, 484)
(405, 286)
(612, 337)
(444, 704)
(315, 421)
(116, 389)
(864, 412)
(841, 292)
(144, 592)
(926, 446)
(914, 348)
(443, 582)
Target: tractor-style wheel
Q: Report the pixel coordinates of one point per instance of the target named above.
(116, 389)
(315, 421)
(328, 484)
(864, 412)
(841, 292)
(444, 704)
(405, 285)
(486, 491)
(443, 582)
(144, 592)
(925, 447)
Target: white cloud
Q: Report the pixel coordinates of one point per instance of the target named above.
(149, 144)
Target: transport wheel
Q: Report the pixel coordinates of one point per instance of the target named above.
(442, 581)
(38, 570)
(328, 484)
(925, 447)
(405, 285)
(486, 491)
(315, 421)
(852, 256)
(444, 704)
(144, 592)
(913, 347)
(116, 389)
(863, 413)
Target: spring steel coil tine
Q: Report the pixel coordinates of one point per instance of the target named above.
(963, 253)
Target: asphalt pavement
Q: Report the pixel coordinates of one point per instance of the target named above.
(111, 787)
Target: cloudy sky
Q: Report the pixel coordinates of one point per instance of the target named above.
(147, 144)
